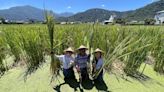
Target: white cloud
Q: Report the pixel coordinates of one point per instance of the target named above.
(102, 5)
(69, 7)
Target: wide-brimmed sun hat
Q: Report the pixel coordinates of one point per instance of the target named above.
(82, 47)
(98, 50)
(69, 50)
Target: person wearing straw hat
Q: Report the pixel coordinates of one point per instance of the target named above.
(81, 61)
(68, 62)
(97, 65)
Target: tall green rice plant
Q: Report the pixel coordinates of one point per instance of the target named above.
(3, 66)
(119, 51)
(33, 50)
(13, 44)
(158, 53)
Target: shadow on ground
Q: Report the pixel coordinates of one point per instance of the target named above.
(101, 86)
(143, 79)
(71, 82)
(84, 85)
(140, 77)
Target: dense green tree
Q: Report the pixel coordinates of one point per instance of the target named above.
(149, 21)
(2, 20)
(120, 21)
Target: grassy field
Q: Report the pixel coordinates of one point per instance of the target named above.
(13, 81)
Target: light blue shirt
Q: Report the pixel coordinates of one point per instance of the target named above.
(66, 61)
(81, 61)
(99, 64)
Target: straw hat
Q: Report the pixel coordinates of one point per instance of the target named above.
(82, 47)
(98, 50)
(69, 50)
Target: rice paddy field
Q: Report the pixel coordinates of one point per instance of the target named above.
(133, 59)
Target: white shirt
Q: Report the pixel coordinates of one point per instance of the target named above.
(65, 60)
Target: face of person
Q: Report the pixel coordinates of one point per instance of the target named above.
(68, 53)
(98, 55)
(82, 51)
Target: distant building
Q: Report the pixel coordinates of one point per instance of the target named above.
(0, 21)
(159, 17)
(63, 23)
(7, 21)
(72, 22)
(134, 21)
(20, 22)
(111, 20)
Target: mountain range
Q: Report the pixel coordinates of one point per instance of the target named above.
(29, 12)
(148, 11)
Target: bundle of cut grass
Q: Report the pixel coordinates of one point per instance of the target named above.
(55, 64)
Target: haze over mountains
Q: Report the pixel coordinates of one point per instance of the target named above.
(29, 12)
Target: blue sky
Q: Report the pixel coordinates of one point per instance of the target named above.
(77, 5)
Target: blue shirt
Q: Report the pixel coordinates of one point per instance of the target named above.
(81, 61)
(99, 64)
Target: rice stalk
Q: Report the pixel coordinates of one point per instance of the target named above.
(159, 53)
(13, 43)
(55, 63)
(3, 66)
(33, 51)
